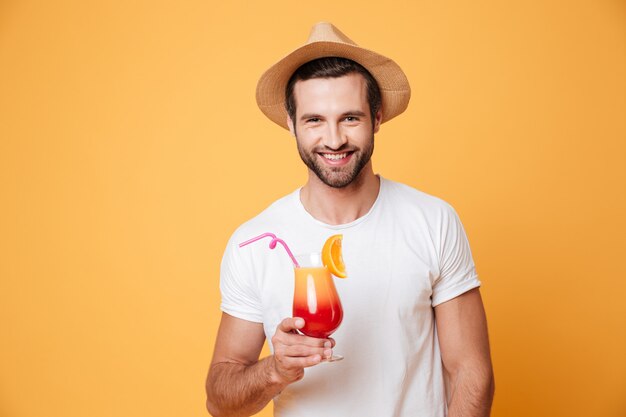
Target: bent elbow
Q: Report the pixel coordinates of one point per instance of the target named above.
(211, 405)
(216, 411)
(212, 409)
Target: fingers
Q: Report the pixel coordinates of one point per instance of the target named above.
(308, 361)
(294, 345)
(293, 352)
(302, 351)
(301, 357)
(291, 363)
(290, 323)
(288, 326)
(332, 342)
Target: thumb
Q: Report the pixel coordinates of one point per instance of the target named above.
(291, 323)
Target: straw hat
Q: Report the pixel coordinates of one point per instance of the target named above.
(326, 40)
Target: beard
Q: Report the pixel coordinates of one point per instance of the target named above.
(337, 177)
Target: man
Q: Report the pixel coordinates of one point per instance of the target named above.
(414, 333)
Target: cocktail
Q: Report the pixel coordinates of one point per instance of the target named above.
(315, 297)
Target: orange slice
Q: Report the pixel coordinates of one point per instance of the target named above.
(331, 256)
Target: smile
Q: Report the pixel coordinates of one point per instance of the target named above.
(335, 156)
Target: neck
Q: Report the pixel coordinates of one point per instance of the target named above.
(341, 205)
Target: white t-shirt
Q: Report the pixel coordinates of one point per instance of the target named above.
(405, 256)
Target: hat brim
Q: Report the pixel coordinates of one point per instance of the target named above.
(392, 82)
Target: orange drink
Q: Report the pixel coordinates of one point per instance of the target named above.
(316, 299)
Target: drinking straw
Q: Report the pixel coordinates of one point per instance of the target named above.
(273, 243)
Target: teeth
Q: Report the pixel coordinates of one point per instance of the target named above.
(334, 156)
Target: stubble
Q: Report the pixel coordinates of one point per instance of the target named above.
(337, 177)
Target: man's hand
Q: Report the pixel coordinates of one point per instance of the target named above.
(239, 384)
(293, 352)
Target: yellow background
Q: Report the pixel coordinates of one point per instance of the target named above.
(131, 147)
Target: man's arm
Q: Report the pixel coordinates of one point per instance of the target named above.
(462, 332)
(239, 384)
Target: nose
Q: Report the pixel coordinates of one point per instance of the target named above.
(334, 138)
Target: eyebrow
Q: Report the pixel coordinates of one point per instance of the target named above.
(354, 113)
(348, 113)
(309, 116)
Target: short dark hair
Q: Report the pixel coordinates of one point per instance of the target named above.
(332, 67)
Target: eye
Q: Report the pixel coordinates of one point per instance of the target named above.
(313, 120)
(352, 119)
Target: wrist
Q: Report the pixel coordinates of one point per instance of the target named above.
(274, 377)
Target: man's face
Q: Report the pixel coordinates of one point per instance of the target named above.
(333, 127)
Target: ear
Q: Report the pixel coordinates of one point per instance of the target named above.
(378, 120)
(292, 128)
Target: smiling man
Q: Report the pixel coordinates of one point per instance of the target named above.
(414, 333)
(334, 109)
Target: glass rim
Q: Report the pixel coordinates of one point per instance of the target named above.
(309, 259)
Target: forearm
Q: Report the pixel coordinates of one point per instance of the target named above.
(472, 393)
(237, 390)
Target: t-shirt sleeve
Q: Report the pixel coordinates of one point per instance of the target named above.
(240, 295)
(456, 265)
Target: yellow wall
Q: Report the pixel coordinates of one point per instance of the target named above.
(131, 147)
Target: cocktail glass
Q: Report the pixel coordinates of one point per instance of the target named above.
(315, 298)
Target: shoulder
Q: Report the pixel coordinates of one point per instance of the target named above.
(405, 197)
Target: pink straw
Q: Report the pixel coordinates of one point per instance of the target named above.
(273, 243)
